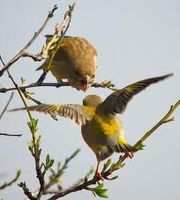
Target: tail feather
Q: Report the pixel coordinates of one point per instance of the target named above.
(108, 150)
(124, 148)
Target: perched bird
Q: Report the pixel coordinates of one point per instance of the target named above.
(75, 60)
(101, 128)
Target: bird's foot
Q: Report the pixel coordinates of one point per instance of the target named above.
(99, 175)
(129, 154)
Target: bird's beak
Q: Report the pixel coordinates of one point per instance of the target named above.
(85, 84)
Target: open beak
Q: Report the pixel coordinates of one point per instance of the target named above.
(85, 84)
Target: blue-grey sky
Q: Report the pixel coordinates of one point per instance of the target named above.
(135, 40)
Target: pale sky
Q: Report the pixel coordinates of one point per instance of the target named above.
(134, 40)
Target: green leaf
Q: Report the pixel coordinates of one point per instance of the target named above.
(30, 146)
(39, 152)
(33, 125)
(106, 165)
(140, 146)
(49, 162)
(38, 137)
(23, 80)
(113, 178)
(100, 191)
(119, 164)
(18, 173)
(47, 159)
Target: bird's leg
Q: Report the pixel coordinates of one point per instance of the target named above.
(129, 154)
(42, 77)
(97, 173)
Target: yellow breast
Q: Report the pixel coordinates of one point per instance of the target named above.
(109, 125)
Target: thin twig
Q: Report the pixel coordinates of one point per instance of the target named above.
(7, 184)
(35, 141)
(56, 40)
(16, 86)
(57, 85)
(23, 52)
(40, 176)
(11, 135)
(33, 85)
(165, 119)
(146, 135)
(95, 179)
(6, 106)
(56, 175)
(26, 191)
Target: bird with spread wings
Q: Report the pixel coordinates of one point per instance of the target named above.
(101, 128)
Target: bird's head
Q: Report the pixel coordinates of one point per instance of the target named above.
(83, 77)
(86, 81)
(92, 100)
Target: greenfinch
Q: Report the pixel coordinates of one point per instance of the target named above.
(75, 61)
(101, 128)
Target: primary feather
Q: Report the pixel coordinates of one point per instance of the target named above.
(117, 101)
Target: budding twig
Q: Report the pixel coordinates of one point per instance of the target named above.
(85, 185)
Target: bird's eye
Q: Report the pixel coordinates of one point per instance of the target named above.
(77, 73)
(93, 76)
(83, 82)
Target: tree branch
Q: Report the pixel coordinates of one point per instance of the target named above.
(6, 106)
(11, 135)
(7, 184)
(23, 52)
(85, 185)
(54, 177)
(57, 85)
(35, 149)
(139, 143)
(56, 40)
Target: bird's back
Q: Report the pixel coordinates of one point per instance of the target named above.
(74, 54)
(75, 47)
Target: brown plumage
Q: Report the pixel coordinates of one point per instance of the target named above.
(75, 60)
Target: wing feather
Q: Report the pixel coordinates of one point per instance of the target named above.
(118, 100)
(78, 113)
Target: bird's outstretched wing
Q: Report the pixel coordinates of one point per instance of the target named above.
(78, 113)
(118, 100)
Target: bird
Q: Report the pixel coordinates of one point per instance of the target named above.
(75, 60)
(101, 127)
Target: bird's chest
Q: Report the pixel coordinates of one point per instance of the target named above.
(101, 131)
(107, 125)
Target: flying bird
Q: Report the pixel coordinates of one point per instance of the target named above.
(75, 60)
(101, 128)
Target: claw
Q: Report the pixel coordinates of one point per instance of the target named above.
(129, 154)
(99, 175)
